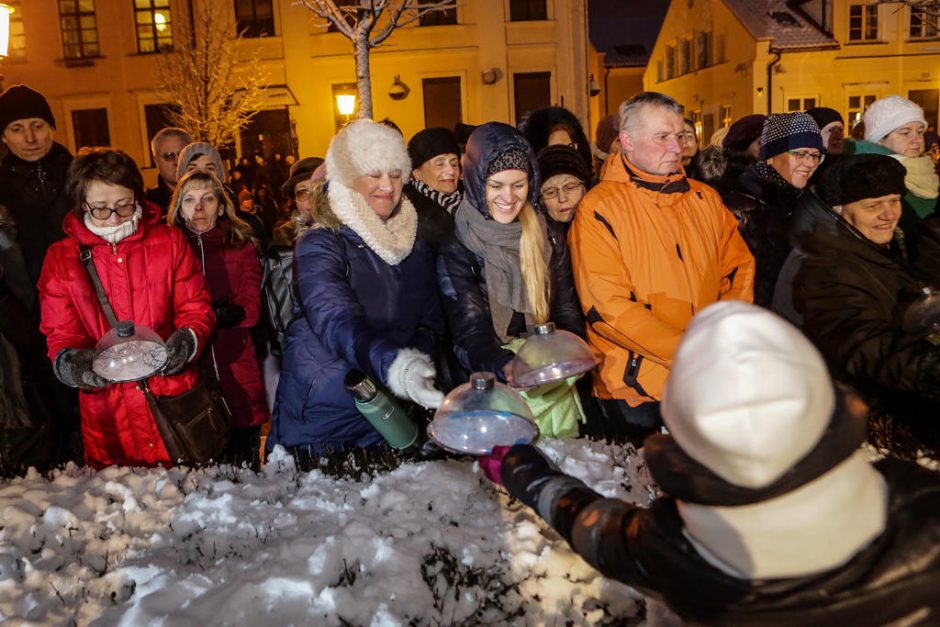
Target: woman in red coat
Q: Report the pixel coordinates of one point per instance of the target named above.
(224, 245)
(150, 276)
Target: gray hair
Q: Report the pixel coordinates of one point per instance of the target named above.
(166, 133)
(630, 108)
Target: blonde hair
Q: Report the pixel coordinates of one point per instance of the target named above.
(532, 262)
(234, 237)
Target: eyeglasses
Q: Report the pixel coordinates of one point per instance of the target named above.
(169, 156)
(569, 188)
(802, 155)
(124, 209)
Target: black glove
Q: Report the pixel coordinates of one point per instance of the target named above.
(73, 368)
(180, 348)
(227, 314)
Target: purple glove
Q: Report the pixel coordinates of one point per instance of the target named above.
(492, 464)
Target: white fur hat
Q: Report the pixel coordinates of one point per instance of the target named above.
(748, 395)
(887, 114)
(363, 147)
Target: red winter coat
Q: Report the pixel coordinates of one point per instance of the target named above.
(234, 274)
(150, 277)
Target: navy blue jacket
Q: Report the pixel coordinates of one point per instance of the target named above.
(358, 311)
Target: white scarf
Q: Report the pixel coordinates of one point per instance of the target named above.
(392, 239)
(114, 234)
(921, 177)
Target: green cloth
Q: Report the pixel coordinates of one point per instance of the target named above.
(556, 406)
(913, 207)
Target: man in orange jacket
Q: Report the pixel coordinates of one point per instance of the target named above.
(650, 248)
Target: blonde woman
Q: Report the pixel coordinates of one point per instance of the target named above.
(507, 269)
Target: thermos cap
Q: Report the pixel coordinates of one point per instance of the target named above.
(544, 329)
(125, 328)
(482, 381)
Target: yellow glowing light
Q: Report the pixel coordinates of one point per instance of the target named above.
(5, 11)
(346, 103)
(159, 19)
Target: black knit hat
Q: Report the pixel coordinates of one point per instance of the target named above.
(824, 116)
(560, 159)
(855, 177)
(789, 131)
(300, 171)
(431, 142)
(20, 102)
(743, 132)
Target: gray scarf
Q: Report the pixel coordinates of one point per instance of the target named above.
(498, 245)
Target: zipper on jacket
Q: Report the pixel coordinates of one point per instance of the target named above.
(202, 259)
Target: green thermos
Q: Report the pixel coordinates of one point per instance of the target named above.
(381, 410)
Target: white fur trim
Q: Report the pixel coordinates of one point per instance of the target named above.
(817, 527)
(391, 239)
(399, 369)
(364, 147)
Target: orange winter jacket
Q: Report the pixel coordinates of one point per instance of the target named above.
(649, 252)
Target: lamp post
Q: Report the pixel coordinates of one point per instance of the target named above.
(5, 11)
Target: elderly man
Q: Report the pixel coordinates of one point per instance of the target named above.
(166, 146)
(649, 248)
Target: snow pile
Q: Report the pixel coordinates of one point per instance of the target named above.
(428, 544)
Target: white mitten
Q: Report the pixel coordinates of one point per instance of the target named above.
(411, 376)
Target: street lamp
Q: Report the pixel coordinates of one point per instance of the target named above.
(5, 10)
(346, 103)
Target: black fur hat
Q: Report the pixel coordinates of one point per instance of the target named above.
(538, 125)
(855, 177)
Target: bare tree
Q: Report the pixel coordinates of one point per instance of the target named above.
(205, 75)
(367, 23)
(931, 8)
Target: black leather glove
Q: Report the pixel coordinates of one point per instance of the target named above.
(73, 368)
(227, 314)
(180, 348)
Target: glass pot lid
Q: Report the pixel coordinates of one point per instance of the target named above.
(922, 317)
(547, 356)
(481, 414)
(129, 352)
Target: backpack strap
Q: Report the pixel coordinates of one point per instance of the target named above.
(85, 256)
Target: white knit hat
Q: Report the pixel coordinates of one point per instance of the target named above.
(887, 114)
(363, 147)
(748, 395)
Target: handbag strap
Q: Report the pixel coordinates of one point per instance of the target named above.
(86, 258)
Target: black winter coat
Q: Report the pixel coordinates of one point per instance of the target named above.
(435, 224)
(466, 305)
(764, 212)
(852, 294)
(894, 576)
(34, 194)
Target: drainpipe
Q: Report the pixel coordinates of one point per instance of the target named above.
(770, 81)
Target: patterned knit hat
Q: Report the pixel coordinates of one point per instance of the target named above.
(512, 159)
(788, 131)
(887, 114)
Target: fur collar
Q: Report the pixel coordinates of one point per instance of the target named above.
(392, 240)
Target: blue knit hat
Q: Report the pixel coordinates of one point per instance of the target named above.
(788, 131)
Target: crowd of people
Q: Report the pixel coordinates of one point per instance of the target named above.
(418, 262)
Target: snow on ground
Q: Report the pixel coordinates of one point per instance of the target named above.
(430, 543)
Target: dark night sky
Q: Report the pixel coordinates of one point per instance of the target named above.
(625, 23)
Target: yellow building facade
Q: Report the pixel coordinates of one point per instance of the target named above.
(485, 60)
(724, 59)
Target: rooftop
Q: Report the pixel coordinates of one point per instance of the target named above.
(778, 21)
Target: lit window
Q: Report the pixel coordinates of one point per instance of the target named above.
(17, 48)
(154, 32)
(924, 25)
(863, 22)
(725, 113)
(79, 29)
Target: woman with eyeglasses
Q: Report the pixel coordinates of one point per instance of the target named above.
(565, 177)
(150, 277)
(895, 126)
(228, 254)
(508, 268)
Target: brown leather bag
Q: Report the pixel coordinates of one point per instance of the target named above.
(195, 425)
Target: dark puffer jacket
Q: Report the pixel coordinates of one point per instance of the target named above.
(233, 275)
(892, 578)
(358, 311)
(34, 193)
(851, 294)
(460, 272)
(764, 207)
